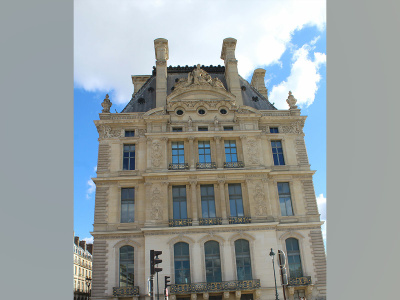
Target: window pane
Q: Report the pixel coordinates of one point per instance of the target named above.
(126, 266)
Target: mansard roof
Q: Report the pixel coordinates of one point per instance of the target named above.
(145, 98)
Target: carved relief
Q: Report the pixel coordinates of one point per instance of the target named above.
(259, 198)
(156, 205)
(105, 131)
(295, 127)
(253, 151)
(156, 154)
(141, 132)
(291, 100)
(198, 77)
(106, 104)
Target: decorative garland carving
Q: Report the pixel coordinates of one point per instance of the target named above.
(141, 132)
(156, 206)
(259, 197)
(156, 154)
(295, 127)
(253, 151)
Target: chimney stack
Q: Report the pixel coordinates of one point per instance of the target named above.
(138, 81)
(162, 55)
(231, 69)
(82, 244)
(257, 81)
(76, 240)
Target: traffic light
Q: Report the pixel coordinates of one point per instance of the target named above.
(154, 260)
(167, 282)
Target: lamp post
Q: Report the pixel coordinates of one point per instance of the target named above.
(88, 282)
(272, 254)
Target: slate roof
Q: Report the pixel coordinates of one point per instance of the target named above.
(145, 98)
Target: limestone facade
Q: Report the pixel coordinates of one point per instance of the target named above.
(82, 266)
(186, 129)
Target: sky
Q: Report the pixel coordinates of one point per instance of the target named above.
(115, 39)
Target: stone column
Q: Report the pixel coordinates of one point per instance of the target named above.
(193, 296)
(221, 183)
(231, 69)
(238, 294)
(193, 188)
(226, 295)
(219, 153)
(290, 290)
(162, 55)
(205, 296)
(191, 153)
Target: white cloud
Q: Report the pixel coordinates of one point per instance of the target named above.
(89, 240)
(114, 39)
(303, 79)
(91, 188)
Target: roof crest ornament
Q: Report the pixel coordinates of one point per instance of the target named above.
(291, 100)
(106, 104)
(198, 77)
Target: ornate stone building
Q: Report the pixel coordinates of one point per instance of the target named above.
(82, 268)
(201, 166)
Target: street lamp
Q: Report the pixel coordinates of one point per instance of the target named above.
(272, 254)
(88, 282)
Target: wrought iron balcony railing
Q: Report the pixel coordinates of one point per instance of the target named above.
(184, 166)
(210, 221)
(239, 220)
(179, 222)
(236, 164)
(224, 286)
(207, 165)
(296, 281)
(126, 291)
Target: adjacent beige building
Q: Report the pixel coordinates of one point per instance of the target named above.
(82, 268)
(201, 166)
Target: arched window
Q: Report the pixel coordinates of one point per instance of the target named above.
(182, 263)
(243, 262)
(126, 266)
(213, 261)
(294, 260)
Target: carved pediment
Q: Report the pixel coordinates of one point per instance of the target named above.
(197, 78)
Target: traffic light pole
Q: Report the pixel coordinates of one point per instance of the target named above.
(158, 293)
(283, 286)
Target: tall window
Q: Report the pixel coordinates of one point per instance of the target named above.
(178, 153)
(277, 153)
(294, 260)
(179, 202)
(230, 151)
(235, 200)
(182, 263)
(126, 266)
(243, 263)
(285, 200)
(213, 261)
(207, 201)
(127, 205)
(204, 152)
(129, 157)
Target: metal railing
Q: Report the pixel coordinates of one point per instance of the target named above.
(296, 281)
(223, 286)
(210, 221)
(239, 220)
(184, 166)
(179, 222)
(126, 291)
(207, 165)
(236, 164)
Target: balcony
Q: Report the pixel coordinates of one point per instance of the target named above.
(210, 221)
(179, 222)
(126, 291)
(299, 281)
(233, 165)
(209, 165)
(184, 166)
(239, 220)
(211, 287)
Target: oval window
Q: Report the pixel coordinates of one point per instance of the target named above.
(223, 111)
(201, 111)
(179, 112)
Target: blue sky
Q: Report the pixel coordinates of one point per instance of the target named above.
(289, 43)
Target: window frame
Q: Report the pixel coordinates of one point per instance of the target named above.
(230, 153)
(119, 266)
(230, 199)
(182, 187)
(129, 157)
(285, 195)
(273, 154)
(273, 129)
(207, 199)
(126, 200)
(213, 263)
(249, 258)
(129, 130)
(188, 260)
(299, 255)
(179, 155)
(205, 155)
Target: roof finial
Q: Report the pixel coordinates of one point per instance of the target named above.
(291, 100)
(106, 105)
